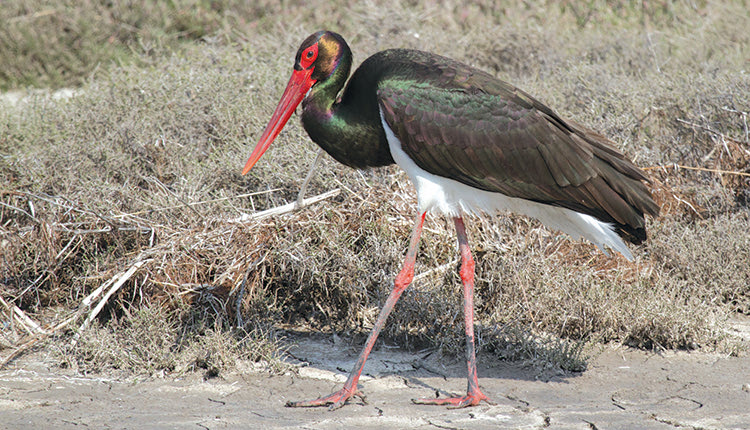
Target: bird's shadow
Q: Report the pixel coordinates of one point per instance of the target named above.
(331, 357)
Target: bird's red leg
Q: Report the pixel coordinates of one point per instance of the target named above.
(403, 279)
(473, 394)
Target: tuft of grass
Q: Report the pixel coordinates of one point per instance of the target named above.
(546, 353)
(152, 342)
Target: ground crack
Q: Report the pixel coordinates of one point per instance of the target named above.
(592, 426)
(675, 423)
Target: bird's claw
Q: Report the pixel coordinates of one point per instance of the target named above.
(470, 399)
(335, 400)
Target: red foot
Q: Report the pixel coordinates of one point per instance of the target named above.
(470, 399)
(336, 400)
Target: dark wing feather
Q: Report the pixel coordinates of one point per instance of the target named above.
(463, 124)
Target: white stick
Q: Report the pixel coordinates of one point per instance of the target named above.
(436, 270)
(289, 207)
(123, 277)
(94, 294)
(27, 323)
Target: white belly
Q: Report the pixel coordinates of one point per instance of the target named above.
(452, 198)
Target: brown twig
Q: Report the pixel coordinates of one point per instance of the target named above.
(701, 169)
(241, 292)
(166, 189)
(203, 202)
(29, 344)
(21, 210)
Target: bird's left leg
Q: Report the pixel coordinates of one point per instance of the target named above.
(473, 394)
(403, 279)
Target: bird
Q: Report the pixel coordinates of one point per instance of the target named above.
(470, 143)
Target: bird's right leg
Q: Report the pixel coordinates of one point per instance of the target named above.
(403, 279)
(473, 394)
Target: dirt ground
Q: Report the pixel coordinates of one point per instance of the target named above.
(622, 388)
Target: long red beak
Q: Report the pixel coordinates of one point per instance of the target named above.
(295, 91)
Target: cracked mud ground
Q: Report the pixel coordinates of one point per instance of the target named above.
(622, 388)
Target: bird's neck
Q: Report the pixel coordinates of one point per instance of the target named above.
(348, 126)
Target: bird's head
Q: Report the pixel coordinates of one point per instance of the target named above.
(317, 60)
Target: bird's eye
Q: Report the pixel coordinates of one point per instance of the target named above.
(308, 56)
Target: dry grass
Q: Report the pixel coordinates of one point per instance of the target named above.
(142, 166)
(65, 43)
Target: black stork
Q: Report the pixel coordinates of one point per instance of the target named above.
(469, 142)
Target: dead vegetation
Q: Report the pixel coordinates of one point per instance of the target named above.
(126, 235)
